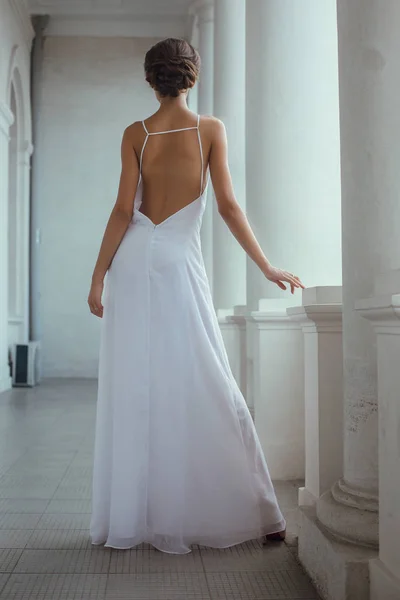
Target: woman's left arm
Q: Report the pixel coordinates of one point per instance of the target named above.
(118, 223)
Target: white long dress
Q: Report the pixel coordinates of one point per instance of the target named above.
(177, 458)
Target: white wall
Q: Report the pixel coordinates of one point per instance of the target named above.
(92, 89)
(15, 41)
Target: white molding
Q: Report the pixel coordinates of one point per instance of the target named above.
(118, 26)
(273, 319)
(21, 13)
(6, 119)
(318, 318)
(383, 312)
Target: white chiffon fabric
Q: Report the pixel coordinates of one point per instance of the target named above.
(177, 458)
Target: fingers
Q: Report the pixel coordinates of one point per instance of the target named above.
(293, 280)
(96, 310)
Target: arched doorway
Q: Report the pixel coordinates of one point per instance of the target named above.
(18, 217)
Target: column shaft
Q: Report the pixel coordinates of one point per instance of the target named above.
(293, 160)
(369, 47)
(205, 107)
(229, 259)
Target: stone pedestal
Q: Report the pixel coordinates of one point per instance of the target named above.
(340, 571)
(320, 318)
(278, 380)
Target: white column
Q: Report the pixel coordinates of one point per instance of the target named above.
(205, 11)
(370, 126)
(383, 310)
(6, 119)
(369, 47)
(293, 160)
(229, 259)
(292, 200)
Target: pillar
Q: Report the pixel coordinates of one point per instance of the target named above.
(369, 47)
(293, 164)
(229, 258)
(205, 12)
(292, 201)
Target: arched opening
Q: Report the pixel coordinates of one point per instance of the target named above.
(18, 213)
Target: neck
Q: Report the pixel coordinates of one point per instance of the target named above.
(172, 104)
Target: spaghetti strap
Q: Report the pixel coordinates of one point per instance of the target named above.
(197, 128)
(141, 155)
(201, 155)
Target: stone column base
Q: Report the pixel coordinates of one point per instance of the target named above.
(339, 571)
(384, 585)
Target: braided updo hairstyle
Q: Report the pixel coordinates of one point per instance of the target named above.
(171, 66)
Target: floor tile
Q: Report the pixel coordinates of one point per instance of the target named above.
(152, 561)
(64, 521)
(249, 557)
(28, 492)
(74, 491)
(54, 587)
(69, 506)
(23, 505)
(165, 586)
(3, 580)
(19, 520)
(281, 585)
(59, 539)
(14, 538)
(8, 559)
(64, 561)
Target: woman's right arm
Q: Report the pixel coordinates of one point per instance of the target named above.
(233, 215)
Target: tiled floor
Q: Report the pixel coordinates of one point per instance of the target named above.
(46, 442)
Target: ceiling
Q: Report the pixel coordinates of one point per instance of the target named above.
(142, 18)
(110, 8)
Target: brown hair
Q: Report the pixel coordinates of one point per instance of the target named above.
(171, 66)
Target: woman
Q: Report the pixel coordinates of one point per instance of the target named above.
(177, 458)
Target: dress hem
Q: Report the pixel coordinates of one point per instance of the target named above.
(204, 543)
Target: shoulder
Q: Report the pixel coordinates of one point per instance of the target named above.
(133, 138)
(134, 131)
(213, 128)
(211, 123)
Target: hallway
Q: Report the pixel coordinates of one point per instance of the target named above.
(45, 552)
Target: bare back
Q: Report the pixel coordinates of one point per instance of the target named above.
(173, 157)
